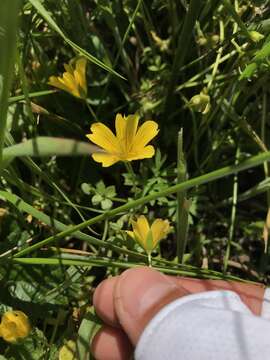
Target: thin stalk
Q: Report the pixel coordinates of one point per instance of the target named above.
(266, 171)
(206, 70)
(89, 107)
(132, 175)
(149, 257)
(185, 271)
(203, 179)
(219, 54)
(229, 7)
(182, 210)
(233, 214)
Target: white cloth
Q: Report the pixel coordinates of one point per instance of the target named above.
(207, 326)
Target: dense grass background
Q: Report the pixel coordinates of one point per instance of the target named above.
(61, 216)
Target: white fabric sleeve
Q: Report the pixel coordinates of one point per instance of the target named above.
(266, 304)
(205, 326)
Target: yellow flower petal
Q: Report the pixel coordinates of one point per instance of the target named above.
(80, 72)
(69, 81)
(68, 68)
(126, 130)
(145, 133)
(141, 227)
(144, 153)
(131, 234)
(160, 229)
(73, 79)
(105, 159)
(103, 137)
(54, 81)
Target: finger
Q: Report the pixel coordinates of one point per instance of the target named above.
(139, 294)
(250, 294)
(103, 301)
(111, 344)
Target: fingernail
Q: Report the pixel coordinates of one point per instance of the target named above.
(140, 293)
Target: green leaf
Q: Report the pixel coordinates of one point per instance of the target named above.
(106, 204)
(48, 146)
(34, 347)
(8, 29)
(86, 188)
(87, 328)
(46, 15)
(249, 71)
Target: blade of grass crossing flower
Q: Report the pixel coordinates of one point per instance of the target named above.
(203, 179)
(82, 261)
(45, 14)
(182, 202)
(8, 28)
(48, 146)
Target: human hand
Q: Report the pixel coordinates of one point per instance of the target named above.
(126, 304)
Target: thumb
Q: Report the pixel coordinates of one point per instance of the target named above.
(139, 294)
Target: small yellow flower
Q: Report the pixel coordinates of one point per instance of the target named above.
(146, 236)
(73, 79)
(128, 144)
(14, 325)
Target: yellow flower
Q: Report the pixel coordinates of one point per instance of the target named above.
(146, 236)
(14, 325)
(128, 144)
(73, 79)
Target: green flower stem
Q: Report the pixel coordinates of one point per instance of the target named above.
(203, 179)
(182, 211)
(89, 107)
(149, 259)
(132, 174)
(219, 54)
(233, 214)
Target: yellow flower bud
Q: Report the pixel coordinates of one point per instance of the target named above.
(14, 326)
(200, 103)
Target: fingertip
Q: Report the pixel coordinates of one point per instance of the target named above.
(139, 294)
(103, 301)
(111, 344)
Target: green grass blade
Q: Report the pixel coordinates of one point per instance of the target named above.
(8, 29)
(46, 16)
(48, 146)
